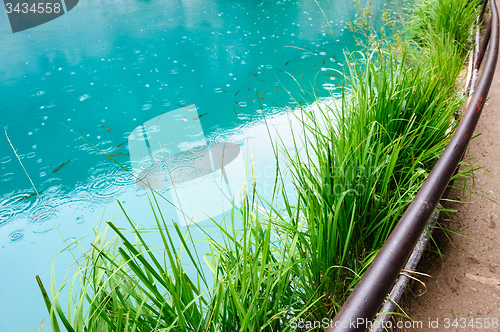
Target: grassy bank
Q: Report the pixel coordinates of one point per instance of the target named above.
(354, 179)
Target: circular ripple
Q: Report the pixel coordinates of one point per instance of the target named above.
(16, 236)
(6, 214)
(10, 206)
(42, 228)
(54, 190)
(30, 303)
(7, 289)
(160, 156)
(41, 214)
(142, 138)
(6, 177)
(107, 183)
(80, 219)
(70, 243)
(52, 182)
(143, 164)
(27, 256)
(40, 219)
(140, 192)
(329, 86)
(198, 148)
(104, 187)
(17, 199)
(154, 129)
(5, 160)
(123, 179)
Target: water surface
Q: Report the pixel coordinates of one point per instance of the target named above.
(92, 76)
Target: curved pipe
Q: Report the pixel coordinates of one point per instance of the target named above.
(480, 55)
(369, 294)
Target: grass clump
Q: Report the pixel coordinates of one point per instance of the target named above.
(437, 17)
(391, 130)
(362, 162)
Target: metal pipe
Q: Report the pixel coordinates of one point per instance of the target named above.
(369, 294)
(483, 10)
(479, 50)
(400, 285)
(484, 45)
(404, 278)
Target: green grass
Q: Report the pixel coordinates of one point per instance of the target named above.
(355, 176)
(391, 129)
(454, 18)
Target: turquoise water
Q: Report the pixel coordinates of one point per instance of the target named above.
(104, 69)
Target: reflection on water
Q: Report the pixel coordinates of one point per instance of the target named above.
(191, 167)
(108, 67)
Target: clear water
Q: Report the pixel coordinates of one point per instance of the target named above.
(106, 68)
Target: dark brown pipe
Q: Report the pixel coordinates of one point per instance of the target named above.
(482, 50)
(483, 9)
(367, 297)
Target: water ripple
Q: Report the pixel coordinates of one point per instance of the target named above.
(106, 182)
(11, 206)
(41, 214)
(16, 235)
(50, 183)
(80, 219)
(85, 96)
(70, 243)
(28, 256)
(7, 290)
(6, 214)
(6, 177)
(160, 155)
